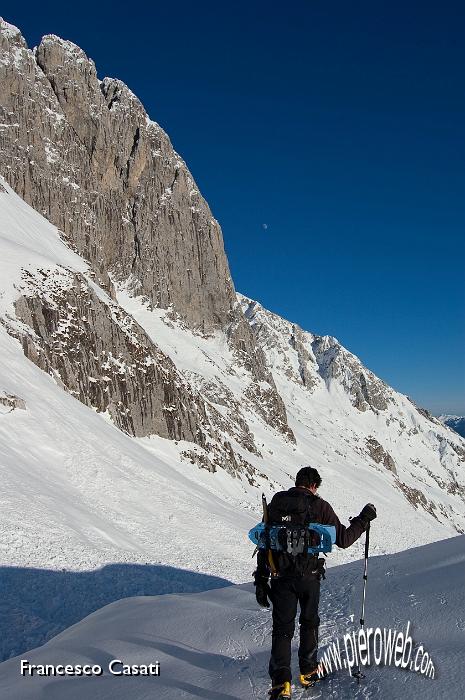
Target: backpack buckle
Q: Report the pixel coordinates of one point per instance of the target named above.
(296, 541)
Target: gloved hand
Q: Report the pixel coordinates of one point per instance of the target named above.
(320, 569)
(262, 590)
(368, 514)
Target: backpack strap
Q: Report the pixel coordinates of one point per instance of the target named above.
(310, 498)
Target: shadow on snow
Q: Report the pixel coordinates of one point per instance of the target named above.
(37, 604)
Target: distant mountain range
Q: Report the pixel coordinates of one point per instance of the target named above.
(457, 423)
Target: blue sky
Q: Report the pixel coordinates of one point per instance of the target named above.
(328, 138)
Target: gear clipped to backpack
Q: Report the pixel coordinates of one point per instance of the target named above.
(287, 526)
(314, 539)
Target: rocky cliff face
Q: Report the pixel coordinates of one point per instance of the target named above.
(101, 356)
(149, 330)
(72, 330)
(84, 153)
(366, 391)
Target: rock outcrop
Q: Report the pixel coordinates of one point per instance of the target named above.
(308, 359)
(84, 153)
(379, 454)
(101, 356)
(262, 394)
(366, 391)
(10, 402)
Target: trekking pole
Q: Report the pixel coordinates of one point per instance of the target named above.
(358, 673)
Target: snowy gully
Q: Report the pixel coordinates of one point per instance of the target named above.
(116, 667)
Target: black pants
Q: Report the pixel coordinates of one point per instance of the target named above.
(286, 593)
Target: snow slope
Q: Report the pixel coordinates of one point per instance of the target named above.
(79, 495)
(425, 470)
(215, 644)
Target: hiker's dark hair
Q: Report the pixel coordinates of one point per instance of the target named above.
(307, 476)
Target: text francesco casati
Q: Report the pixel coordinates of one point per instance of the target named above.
(116, 667)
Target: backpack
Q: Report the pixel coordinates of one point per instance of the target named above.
(291, 512)
(292, 507)
(292, 546)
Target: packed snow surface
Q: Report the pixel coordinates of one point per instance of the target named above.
(215, 644)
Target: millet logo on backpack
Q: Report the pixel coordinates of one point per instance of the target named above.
(286, 518)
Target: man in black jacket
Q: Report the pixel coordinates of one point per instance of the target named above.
(297, 580)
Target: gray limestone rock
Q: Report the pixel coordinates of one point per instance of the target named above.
(262, 394)
(102, 357)
(366, 391)
(84, 153)
(10, 402)
(379, 454)
(98, 353)
(304, 358)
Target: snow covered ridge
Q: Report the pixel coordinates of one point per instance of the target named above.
(72, 329)
(107, 353)
(129, 239)
(221, 647)
(335, 392)
(344, 418)
(10, 30)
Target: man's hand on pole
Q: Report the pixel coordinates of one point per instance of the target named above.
(368, 514)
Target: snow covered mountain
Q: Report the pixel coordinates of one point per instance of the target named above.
(457, 423)
(80, 493)
(221, 648)
(144, 405)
